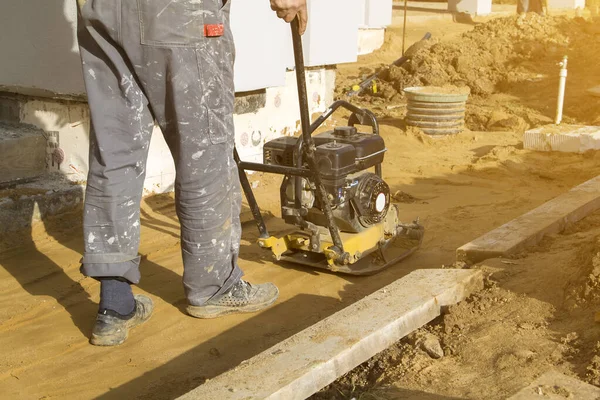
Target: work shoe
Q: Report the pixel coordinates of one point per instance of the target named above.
(243, 297)
(111, 328)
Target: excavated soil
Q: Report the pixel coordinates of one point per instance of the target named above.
(510, 66)
(536, 311)
(535, 314)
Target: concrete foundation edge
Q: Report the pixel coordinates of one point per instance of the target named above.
(35, 202)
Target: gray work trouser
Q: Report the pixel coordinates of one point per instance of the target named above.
(147, 60)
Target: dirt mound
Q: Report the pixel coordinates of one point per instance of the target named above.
(585, 291)
(468, 342)
(487, 56)
(512, 56)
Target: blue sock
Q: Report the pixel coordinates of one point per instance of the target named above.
(116, 295)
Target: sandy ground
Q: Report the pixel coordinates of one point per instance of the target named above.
(535, 314)
(460, 186)
(537, 310)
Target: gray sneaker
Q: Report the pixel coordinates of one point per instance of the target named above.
(111, 329)
(243, 297)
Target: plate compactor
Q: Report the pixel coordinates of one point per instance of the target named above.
(333, 193)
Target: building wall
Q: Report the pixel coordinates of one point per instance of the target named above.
(38, 47)
(40, 60)
(40, 57)
(279, 116)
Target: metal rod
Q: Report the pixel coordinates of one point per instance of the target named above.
(337, 104)
(378, 167)
(323, 117)
(404, 26)
(252, 203)
(309, 146)
(275, 169)
(297, 179)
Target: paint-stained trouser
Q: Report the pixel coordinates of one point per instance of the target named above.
(147, 60)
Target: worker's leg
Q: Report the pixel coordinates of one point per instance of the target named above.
(188, 78)
(119, 139)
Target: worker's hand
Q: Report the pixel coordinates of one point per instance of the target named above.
(290, 9)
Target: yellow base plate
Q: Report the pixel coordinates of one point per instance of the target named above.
(370, 251)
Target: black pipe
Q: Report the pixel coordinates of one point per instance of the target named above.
(309, 145)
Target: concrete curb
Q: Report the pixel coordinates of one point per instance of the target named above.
(310, 360)
(529, 229)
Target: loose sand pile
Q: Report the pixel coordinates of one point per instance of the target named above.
(486, 57)
(510, 65)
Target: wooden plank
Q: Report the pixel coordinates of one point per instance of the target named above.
(310, 360)
(529, 229)
(22, 152)
(555, 386)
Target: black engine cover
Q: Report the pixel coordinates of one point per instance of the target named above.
(369, 148)
(343, 156)
(339, 152)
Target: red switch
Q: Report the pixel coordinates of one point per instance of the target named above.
(214, 30)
